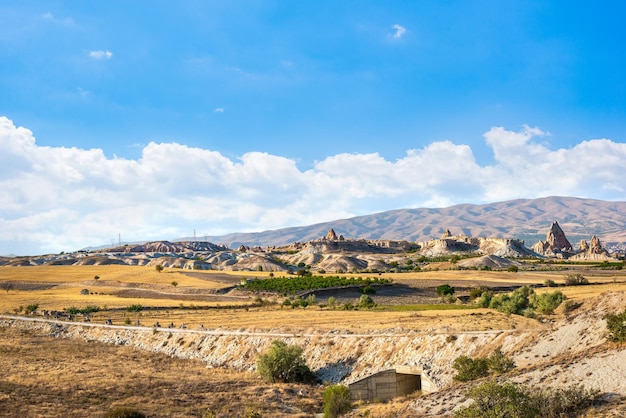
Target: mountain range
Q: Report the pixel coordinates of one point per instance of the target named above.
(524, 219)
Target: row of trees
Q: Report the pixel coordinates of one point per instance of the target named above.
(293, 285)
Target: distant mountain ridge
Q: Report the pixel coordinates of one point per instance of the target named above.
(524, 219)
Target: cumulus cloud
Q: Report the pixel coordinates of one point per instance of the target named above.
(219, 110)
(57, 198)
(399, 31)
(100, 54)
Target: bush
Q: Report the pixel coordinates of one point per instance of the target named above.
(515, 303)
(284, 363)
(124, 413)
(332, 301)
(575, 279)
(499, 363)
(513, 268)
(337, 401)
(365, 301)
(547, 302)
(485, 299)
(369, 290)
(470, 369)
(158, 268)
(477, 292)
(492, 400)
(31, 308)
(449, 299)
(549, 283)
(134, 308)
(616, 325)
(445, 289)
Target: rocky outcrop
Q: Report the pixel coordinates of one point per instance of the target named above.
(332, 235)
(555, 245)
(592, 252)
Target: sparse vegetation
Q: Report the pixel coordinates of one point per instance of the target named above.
(284, 363)
(158, 268)
(512, 268)
(494, 400)
(616, 325)
(549, 283)
(174, 283)
(31, 308)
(83, 311)
(337, 401)
(134, 308)
(471, 369)
(576, 279)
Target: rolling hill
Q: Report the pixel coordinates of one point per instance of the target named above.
(525, 219)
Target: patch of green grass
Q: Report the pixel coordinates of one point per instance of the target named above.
(422, 307)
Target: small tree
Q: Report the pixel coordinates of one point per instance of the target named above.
(158, 268)
(365, 301)
(96, 277)
(445, 289)
(174, 283)
(337, 401)
(513, 268)
(575, 279)
(470, 369)
(284, 363)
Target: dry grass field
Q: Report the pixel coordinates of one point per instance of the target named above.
(196, 300)
(49, 377)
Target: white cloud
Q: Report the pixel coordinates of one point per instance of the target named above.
(100, 54)
(219, 110)
(399, 31)
(56, 198)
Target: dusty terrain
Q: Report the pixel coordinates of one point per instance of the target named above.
(340, 346)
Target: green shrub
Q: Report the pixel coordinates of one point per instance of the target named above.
(31, 308)
(365, 301)
(449, 299)
(134, 308)
(445, 289)
(284, 363)
(513, 268)
(369, 290)
(549, 283)
(492, 400)
(515, 303)
(477, 292)
(124, 413)
(485, 299)
(470, 369)
(332, 301)
(547, 302)
(616, 325)
(158, 268)
(499, 363)
(575, 279)
(337, 401)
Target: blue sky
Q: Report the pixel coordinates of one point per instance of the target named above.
(370, 105)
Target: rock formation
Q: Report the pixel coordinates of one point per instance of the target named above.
(556, 243)
(593, 251)
(331, 235)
